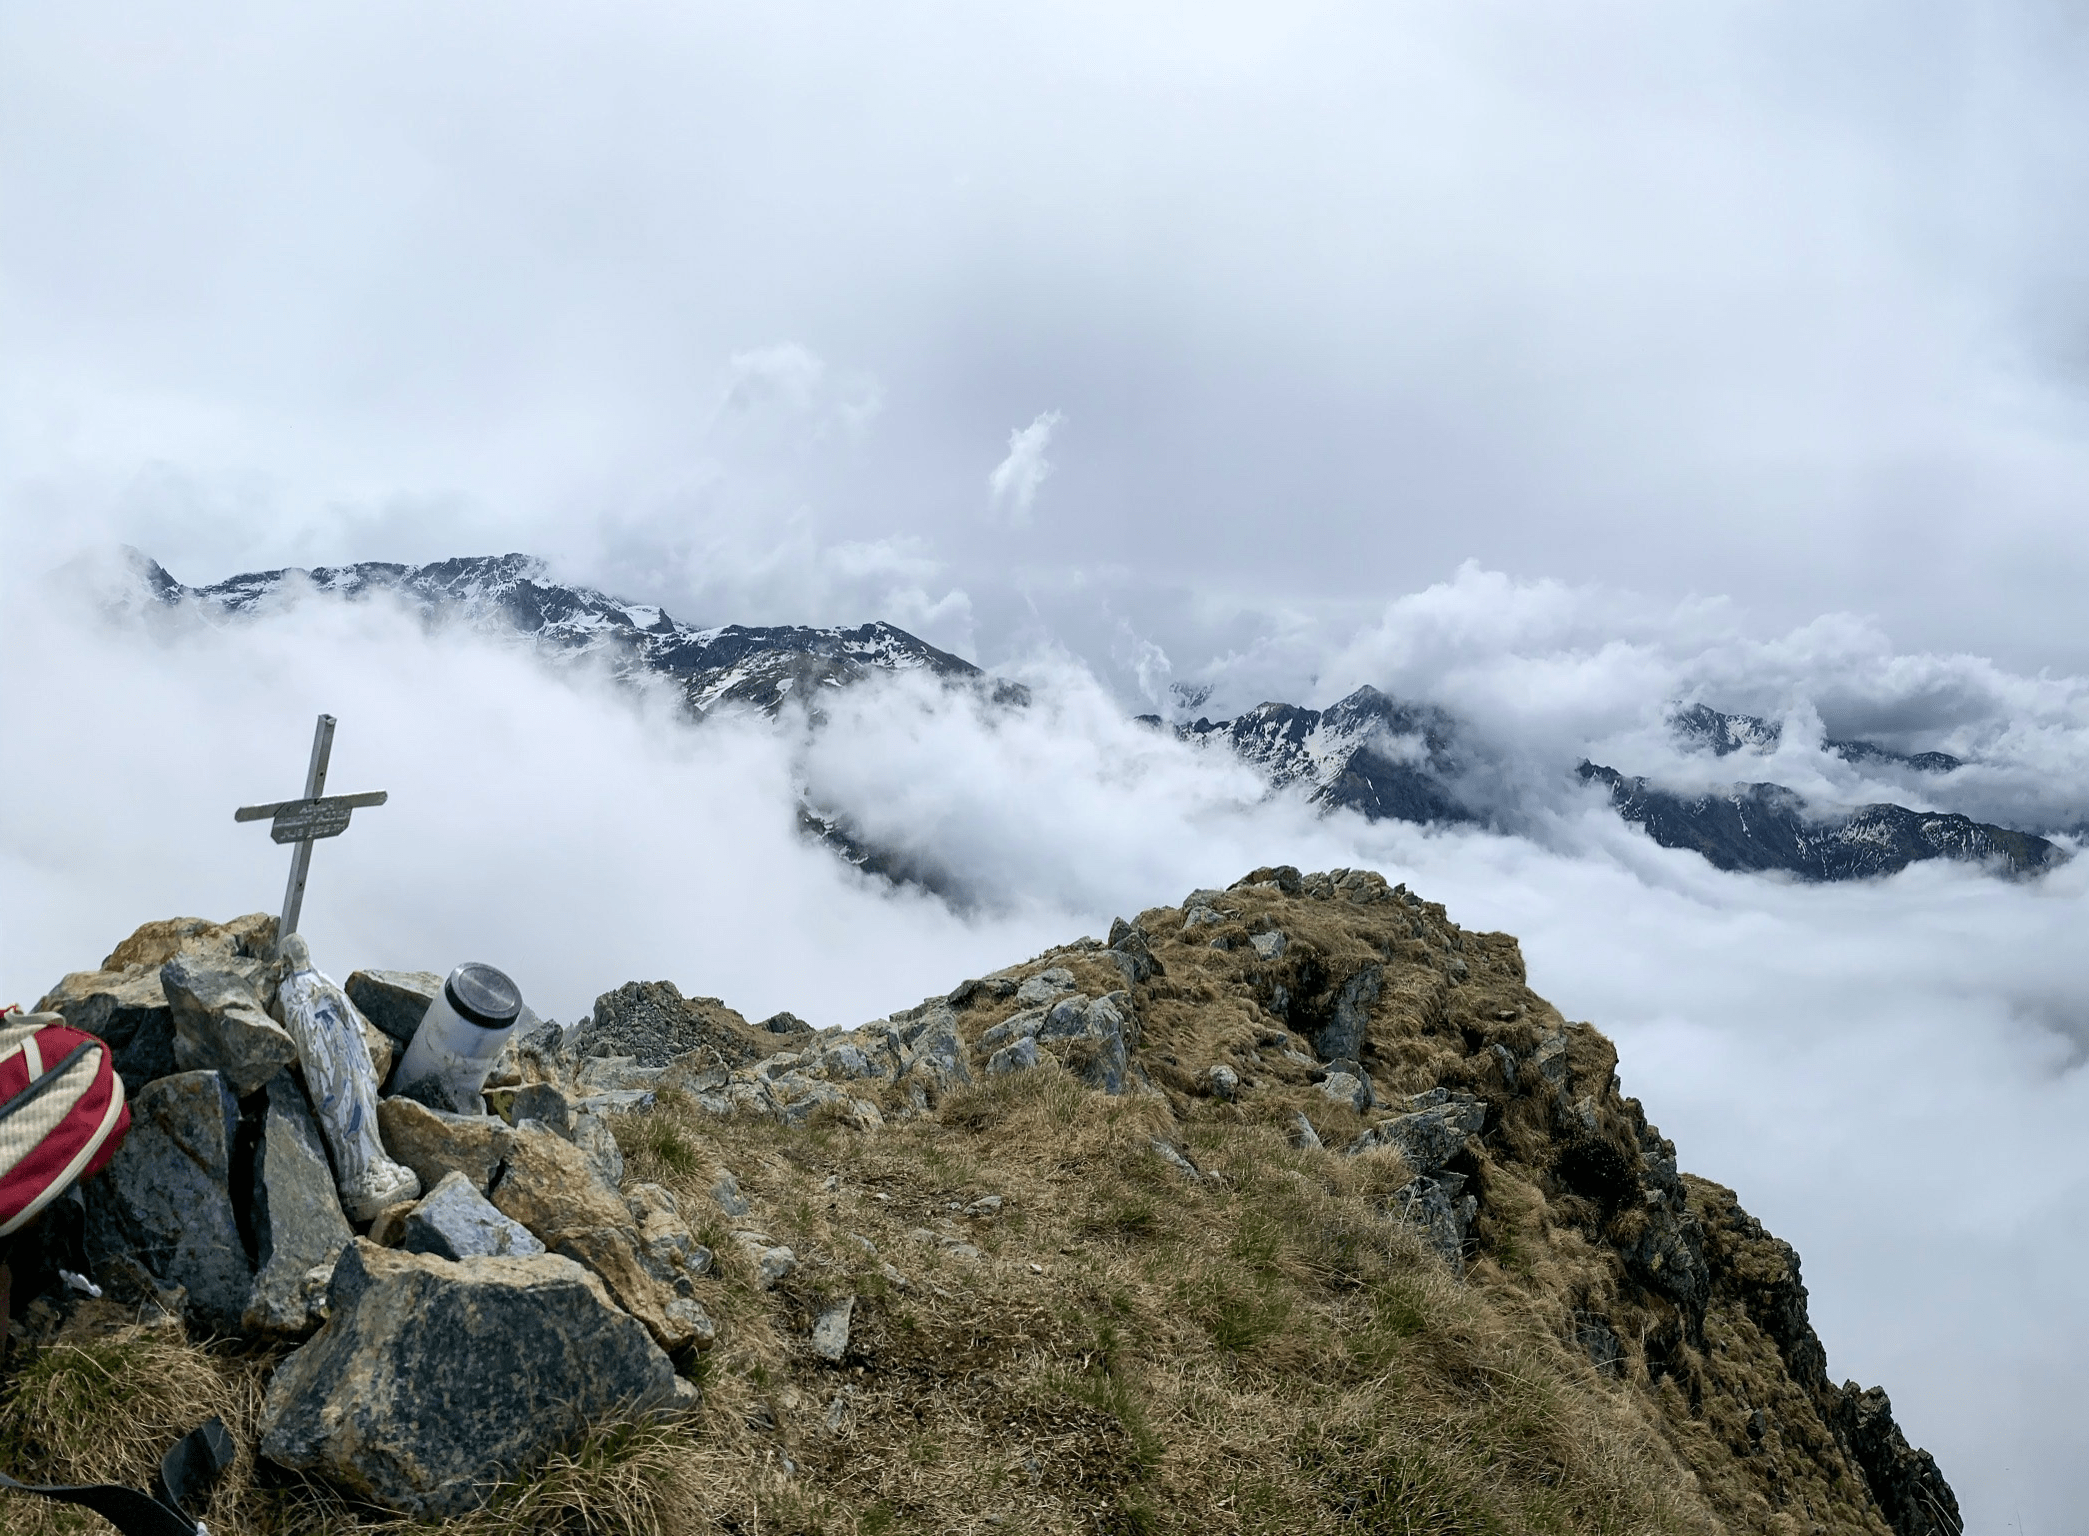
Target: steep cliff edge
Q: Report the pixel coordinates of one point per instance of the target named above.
(1291, 1208)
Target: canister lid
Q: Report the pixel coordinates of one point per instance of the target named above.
(483, 995)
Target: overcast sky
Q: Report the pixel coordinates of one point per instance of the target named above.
(1162, 324)
(1551, 361)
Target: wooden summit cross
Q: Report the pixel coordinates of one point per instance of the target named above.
(305, 821)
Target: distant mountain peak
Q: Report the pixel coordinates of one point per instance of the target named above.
(755, 666)
(1699, 726)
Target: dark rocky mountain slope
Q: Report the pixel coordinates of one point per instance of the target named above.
(1368, 753)
(1757, 827)
(1386, 759)
(1703, 726)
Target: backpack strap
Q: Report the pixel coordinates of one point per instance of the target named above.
(197, 1460)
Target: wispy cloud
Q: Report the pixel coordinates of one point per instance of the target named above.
(1013, 486)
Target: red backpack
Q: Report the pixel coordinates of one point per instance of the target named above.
(62, 1114)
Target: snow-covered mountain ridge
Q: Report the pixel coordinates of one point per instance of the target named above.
(1380, 757)
(758, 666)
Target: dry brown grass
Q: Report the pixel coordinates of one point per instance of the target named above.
(1262, 1349)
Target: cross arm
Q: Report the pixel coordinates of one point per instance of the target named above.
(265, 812)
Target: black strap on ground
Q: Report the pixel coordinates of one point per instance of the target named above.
(198, 1459)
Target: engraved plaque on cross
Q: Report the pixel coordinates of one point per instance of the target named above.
(305, 820)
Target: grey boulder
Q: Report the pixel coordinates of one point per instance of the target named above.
(298, 1226)
(1092, 1039)
(455, 1221)
(395, 1001)
(435, 1380)
(220, 1025)
(1351, 1088)
(164, 1203)
(932, 1051)
(1020, 1056)
(830, 1330)
(127, 1008)
(1433, 1131)
(1053, 981)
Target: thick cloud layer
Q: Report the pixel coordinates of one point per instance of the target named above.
(1889, 1073)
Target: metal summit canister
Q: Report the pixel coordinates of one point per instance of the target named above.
(460, 1037)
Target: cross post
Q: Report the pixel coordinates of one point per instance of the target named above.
(304, 821)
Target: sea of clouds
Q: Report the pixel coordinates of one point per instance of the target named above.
(1889, 1073)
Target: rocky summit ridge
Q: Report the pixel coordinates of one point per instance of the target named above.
(1288, 1207)
(1380, 757)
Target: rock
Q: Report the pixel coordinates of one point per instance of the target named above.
(1053, 981)
(1017, 1026)
(1507, 1059)
(434, 1142)
(864, 1053)
(687, 1318)
(1436, 1203)
(124, 1003)
(1223, 1081)
(612, 1254)
(1019, 1057)
(164, 1202)
(1910, 1490)
(616, 1074)
(653, 1023)
(1348, 1088)
(1268, 946)
(394, 1001)
(784, 1024)
(455, 1221)
(934, 1052)
(985, 1208)
(830, 1331)
(666, 1246)
(389, 1224)
(998, 988)
(128, 1009)
(772, 1262)
(1284, 878)
(298, 1225)
(1340, 1035)
(1303, 1136)
(1132, 953)
(552, 1187)
(221, 1026)
(1435, 1129)
(378, 1044)
(591, 1133)
(542, 1102)
(795, 1099)
(1174, 1158)
(1550, 1059)
(725, 1190)
(153, 944)
(433, 1380)
(1092, 1039)
(540, 1055)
